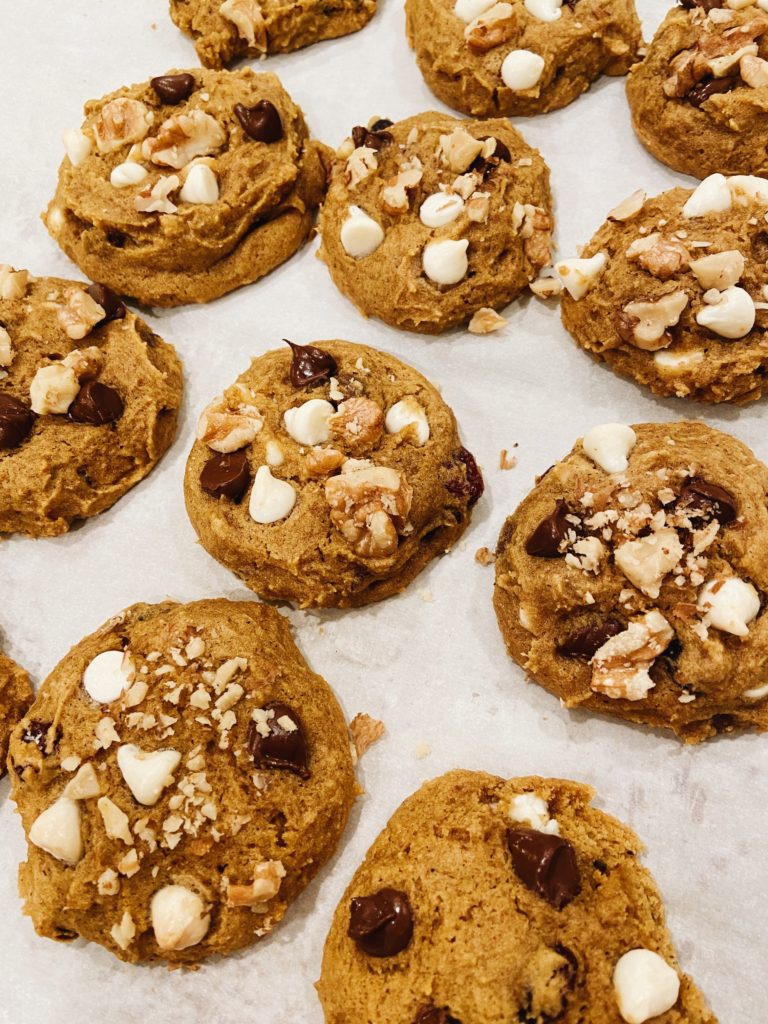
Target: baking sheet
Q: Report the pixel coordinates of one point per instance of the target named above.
(429, 663)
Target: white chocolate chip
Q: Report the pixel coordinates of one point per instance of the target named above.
(201, 186)
(748, 186)
(84, 785)
(609, 446)
(440, 208)
(147, 773)
(108, 675)
(645, 986)
(712, 196)
(309, 423)
(729, 604)
(57, 831)
(732, 317)
(579, 275)
(677, 362)
(719, 270)
(530, 809)
(178, 917)
(445, 261)
(271, 499)
(521, 70)
(757, 692)
(647, 560)
(78, 146)
(53, 389)
(468, 10)
(360, 234)
(545, 10)
(275, 455)
(404, 413)
(6, 348)
(128, 173)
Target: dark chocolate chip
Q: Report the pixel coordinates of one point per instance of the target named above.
(109, 302)
(471, 487)
(584, 642)
(261, 121)
(706, 5)
(226, 476)
(37, 732)
(706, 499)
(310, 366)
(701, 92)
(16, 421)
(433, 1015)
(371, 138)
(281, 748)
(673, 650)
(382, 924)
(174, 89)
(546, 539)
(97, 404)
(487, 165)
(381, 124)
(546, 864)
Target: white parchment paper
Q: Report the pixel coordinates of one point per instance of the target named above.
(431, 663)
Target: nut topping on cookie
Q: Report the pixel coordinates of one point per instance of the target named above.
(620, 668)
(267, 879)
(546, 864)
(57, 831)
(369, 506)
(16, 421)
(645, 986)
(226, 475)
(459, 149)
(120, 122)
(490, 29)
(228, 424)
(271, 499)
(247, 17)
(79, 314)
(358, 422)
(173, 89)
(718, 270)
(147, 773)
(53, 389)
(178, 917)
(381, 924)
(156, 198)
(644, 324)
(276, 739)
(646, 561)
(182, 138)
(729, 604)
(13, 283)
(261, 122)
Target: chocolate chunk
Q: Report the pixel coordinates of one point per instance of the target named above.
(109, 302)
(372, 138)
(16, 421)
(673, 649)
(471, 486)
(431, 1015)
(262, 121)
(703, 498)
(487, 165)
(97, 404)
(226, 476)
(382, 924)
(37, 732)
(174, 89)
(310, 366)
(584, 642)
(283, 746)
(701, 92)
(706, 5)
(546, 864)
(546, 539)
(381, 124)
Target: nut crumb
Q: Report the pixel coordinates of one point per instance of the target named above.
(507, 461)
(365, 731)
(485, 321)
(485, 556)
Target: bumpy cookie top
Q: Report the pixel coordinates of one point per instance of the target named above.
(674, 290)
(181, 776)
(430, 219)
(631, 579)
(15, 698)
(485, 901)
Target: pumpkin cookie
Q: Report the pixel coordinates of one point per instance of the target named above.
(181, 777)
(430, 220)
(187, 186)
(485, 900)
(15, 697)
(329, 475)
(631, 580)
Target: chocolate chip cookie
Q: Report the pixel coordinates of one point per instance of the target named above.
(187, 186)
(181, 777)
(432, 219)
(485, 900)
(15, 697)
(329, 475)
(672, 291)
(492, 59)
(89, 398)
(631, 580)
(699, 99)
(225, 31)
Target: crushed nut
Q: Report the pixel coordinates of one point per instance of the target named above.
(620, 668)
(121, 121)
(491, 28)
(80, 313)
(485, 556)
(485, 321)
(323, 461)
(360, 163)
(478, 206)
(13, 283)
(227, 424)
(365, 731)
(629, 207)
(644, 324)
(647, 560)
(267, 879)
(358, 421)
(662, 257)
(394, 194)
(154, 198)
(369, 506)
(459, 149)
(182, 138)
(248, 19)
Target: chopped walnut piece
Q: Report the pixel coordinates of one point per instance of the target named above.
(227, 425)
(360, 163)
(459, 149)
(80, 313)
(369, 506)
(465, 185)
(323, 461)
(121, 121)
(85, 362)
(647, 560)
(620, 668)
(365, 731)
(484, 556)
(536, 229)
(182, 138)
(546, 287)
(644, 324)
(358, 421)
(13, 283)
(507, 461)
(754, 71)
(716, 54)
(477, 207)
(486, 320)
(267, 879)
(394, 195)
(248, 19)
(629, 207)
(664, 258)
(492, 28)
(154, 198)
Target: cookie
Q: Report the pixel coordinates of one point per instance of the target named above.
(631, 580)
(181, 777)
(672, 291)
(486, 900)
(15, 697)
(492, 59)
(698, 97)
(329, 475)
(89, 398)
(187, 186)
(226, 31)
(431, 219)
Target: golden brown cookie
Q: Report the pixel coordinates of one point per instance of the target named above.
(329, 475)
(181, 777)
(486, 900)
(672, 291)
(492, 59)
(187, 186)
(89, 399)
(631, 580)
(15, 697)
(699, 98)
(432, 219)
(224, 31)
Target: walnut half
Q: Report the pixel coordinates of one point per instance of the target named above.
(620, 668)
(369, 506)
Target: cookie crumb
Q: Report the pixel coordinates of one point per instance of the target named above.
(365, 731)
(484, 556)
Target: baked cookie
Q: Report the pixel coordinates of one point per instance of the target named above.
(631, 580)
(329, 475)
(181, 777)
(486, 900)
(431, 219)
(699, 99)
(187, 186)
(492, 59)
(226, 31)
(672, 291)
(15, 697)
(89, 398)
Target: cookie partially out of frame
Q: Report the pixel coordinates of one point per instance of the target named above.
(15, 697)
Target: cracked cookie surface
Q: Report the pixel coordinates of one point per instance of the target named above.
(520, 880)
(631, 580)
(185, 187)
(15, 697)
(329, 475)
(181, 777)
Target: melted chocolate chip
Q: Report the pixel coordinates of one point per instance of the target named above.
(310, 366)
(382, 924)
(706, 5)
(109, 302)
(584, 642)
(174, 89)
(381, 124)
(16, 421)
(546, 539)
(432, 1015)
(282, 747)
(701, 92)
(37, 732)
(546, 864)
(372, 138)
(471, 487)
(226, 476)
(261, 122)
(487, 165)
(706, 499)
(97, 404)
